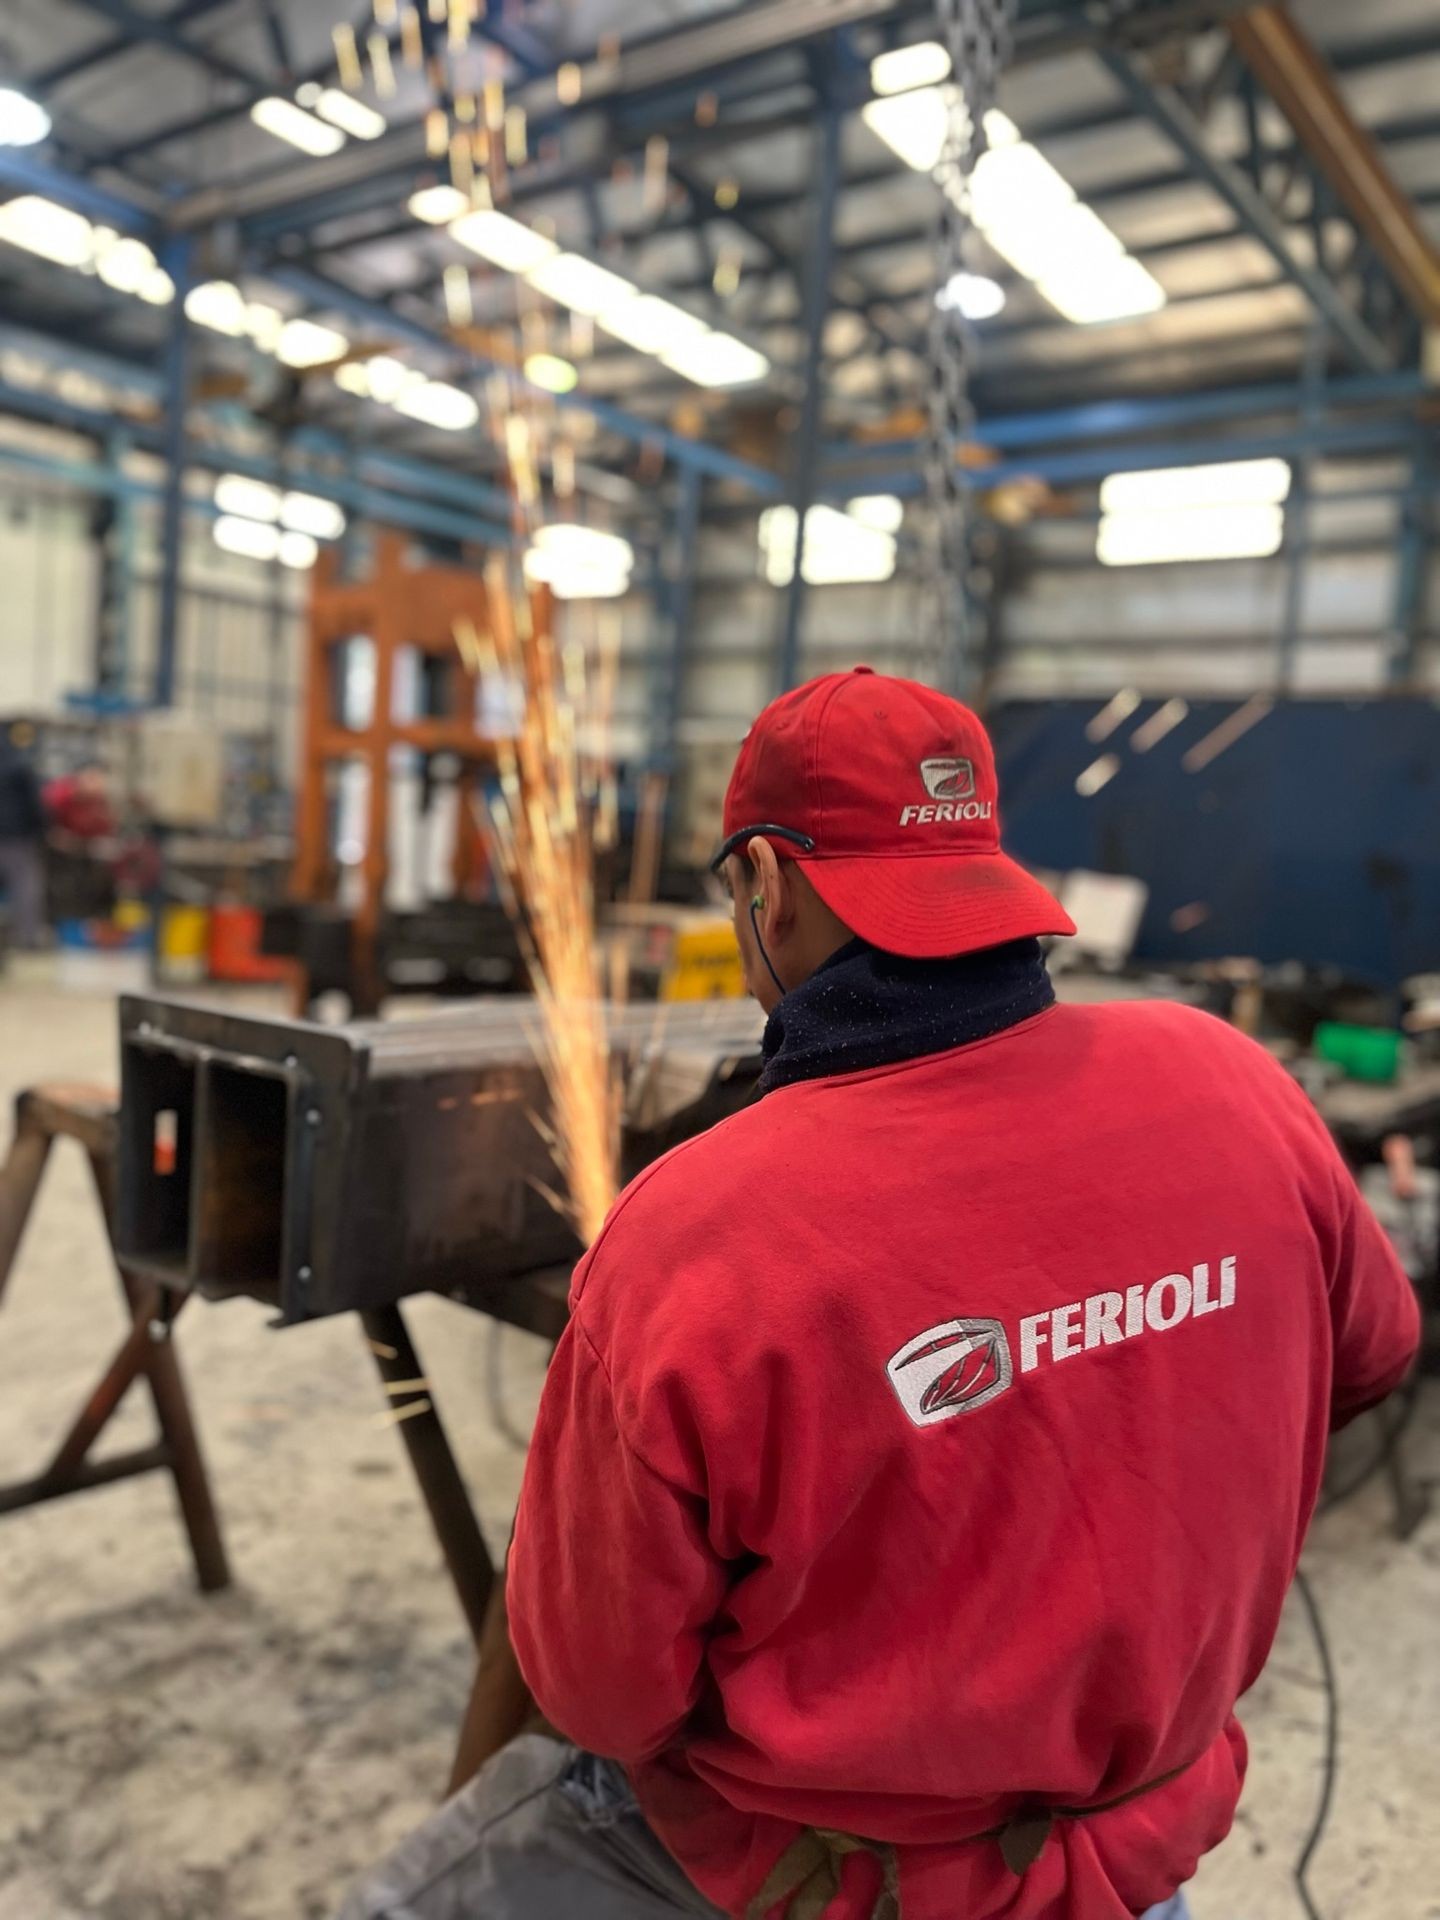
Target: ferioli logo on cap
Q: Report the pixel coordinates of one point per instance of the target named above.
(951, 786)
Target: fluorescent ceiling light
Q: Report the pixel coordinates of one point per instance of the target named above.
(264, 324)
(584, 546)
(1054, 242)
(974, 296)
(286, 121)
(352, 116)
(23, 121)
(157, 289)
(882, 511)
(1098, 774)
(502, 241)
(387, 378)
(308, 513)
(354, 377)
(579, 284)
(1115, 712)
(650, 324)
(1016, 188)
(1190, 533)
(1223, 483)
(296, 550)
(44, 227)
(248, 538)
(1164, 720)
(438, 405)
(922, 65)
(438, 206)
(1027, 211)
(247, 499)
(124, 264)
(912, 125)
(572, 580)
(1119, 289)
(839, 549)
(219, 305)
(716, 360)
(549, 371)
(305, 343)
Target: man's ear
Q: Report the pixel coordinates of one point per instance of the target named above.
(771, 887)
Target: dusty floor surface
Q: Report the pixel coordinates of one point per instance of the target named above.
(164, 1756)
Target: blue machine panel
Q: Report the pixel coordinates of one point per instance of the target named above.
(1315, 836)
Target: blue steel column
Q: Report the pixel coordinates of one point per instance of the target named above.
(1412, 581)
(669, 683)
(115, 531)
(177, 261)
(1297, 511)
(807, 439)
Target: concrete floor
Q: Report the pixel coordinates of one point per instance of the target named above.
(164, 1756)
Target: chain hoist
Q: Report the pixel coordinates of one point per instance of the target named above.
(976, 34)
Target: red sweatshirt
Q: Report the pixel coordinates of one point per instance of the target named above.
(936, 1438)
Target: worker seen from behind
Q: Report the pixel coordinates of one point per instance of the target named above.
(22, 844)
(918, 1484)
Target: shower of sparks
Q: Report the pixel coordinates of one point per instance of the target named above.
(385, 13)
(412, 37)
(385, 1353)
(462, 167)
(727, 195)
(657, 174)
(437, 133)
(378, 47)
(495, 105)
(393, 1387)
(541, 828)
(347, 58)
(728, 262)
(392, 1416)
(562, 470)
(567, 85)
(516, 137)
(459, 306)
(461, 19)
(438, 11)
(465, 108)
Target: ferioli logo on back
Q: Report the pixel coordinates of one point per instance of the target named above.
(964, 1364)
(951, 786)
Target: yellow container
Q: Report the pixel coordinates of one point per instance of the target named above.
(184, 942)
(704, 964)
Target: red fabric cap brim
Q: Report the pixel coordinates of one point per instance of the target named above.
(929, 905)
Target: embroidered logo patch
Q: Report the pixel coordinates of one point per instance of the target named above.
(948, 779)
(950, 1369)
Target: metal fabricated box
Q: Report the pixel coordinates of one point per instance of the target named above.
(328, 1169)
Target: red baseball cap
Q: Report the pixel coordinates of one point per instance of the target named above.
(885, 792)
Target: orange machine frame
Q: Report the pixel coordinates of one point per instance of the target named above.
(398, 606)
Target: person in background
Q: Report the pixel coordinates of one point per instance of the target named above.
(917, 1485)
(22, 840)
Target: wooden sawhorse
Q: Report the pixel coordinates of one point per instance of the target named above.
(88, 1114)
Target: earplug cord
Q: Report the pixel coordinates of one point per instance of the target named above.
(755, 906)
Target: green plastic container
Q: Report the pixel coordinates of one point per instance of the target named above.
(1364, 1053)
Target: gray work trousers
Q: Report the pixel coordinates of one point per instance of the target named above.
(22, 881)
(544, 1832)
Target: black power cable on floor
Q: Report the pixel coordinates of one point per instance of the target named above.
(1332, 1745)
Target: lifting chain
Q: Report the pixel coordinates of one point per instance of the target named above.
(977, 35)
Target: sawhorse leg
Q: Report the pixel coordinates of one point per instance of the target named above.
(500, 1705)
(146, 1349)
